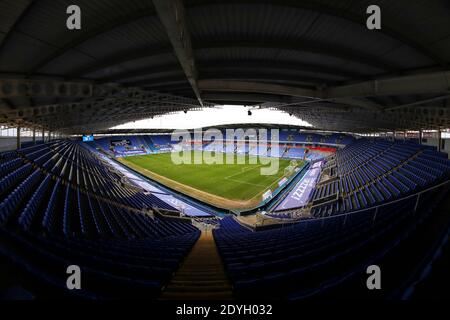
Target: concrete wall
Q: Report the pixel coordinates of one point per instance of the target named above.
(10, 143)
(434, 142)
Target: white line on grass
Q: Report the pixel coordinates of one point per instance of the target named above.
(243, 170)
(245, 182)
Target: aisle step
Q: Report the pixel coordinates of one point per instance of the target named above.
(201, 276)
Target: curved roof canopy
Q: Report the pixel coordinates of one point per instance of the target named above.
(135, 59)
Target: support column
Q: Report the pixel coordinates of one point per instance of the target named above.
(43, 135)
(420, 136)
(19, 143)
(34, 136)
(439, 140)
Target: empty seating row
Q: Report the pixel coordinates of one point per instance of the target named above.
(312, 257)
(374, 172)
(74, 164)
(48, 221)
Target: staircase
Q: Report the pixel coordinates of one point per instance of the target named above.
(201, 276)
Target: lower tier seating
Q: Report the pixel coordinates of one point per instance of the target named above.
(53, 215)
(374, 172)
(313, 257)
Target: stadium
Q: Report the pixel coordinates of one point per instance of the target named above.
(351, 203)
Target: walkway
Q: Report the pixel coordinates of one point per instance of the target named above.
(201, 276)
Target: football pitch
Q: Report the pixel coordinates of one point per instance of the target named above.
(228, 185)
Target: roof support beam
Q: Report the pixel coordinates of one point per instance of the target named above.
(418, 103)
(436, 82)
(218, 66)
(172, 16)
(121, 76)
(245, 97)
(89, 34)
(156, 81)
(317, 48)
(275, 89)
(122, 57)
(273, 76)
(256, 87)
(266, 64)
(26, 9)
(337, 12)
(302, 45)
(239, 76)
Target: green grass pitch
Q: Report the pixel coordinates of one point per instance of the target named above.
(241, 182)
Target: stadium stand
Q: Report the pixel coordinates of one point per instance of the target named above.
(296, 145)
(371, 172)
(329, 253)
(58, 202)
(90, 91)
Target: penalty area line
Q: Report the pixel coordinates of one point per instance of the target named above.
(244, 170)
(245, 182)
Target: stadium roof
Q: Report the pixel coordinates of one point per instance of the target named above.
(139, 58)
(218, 127)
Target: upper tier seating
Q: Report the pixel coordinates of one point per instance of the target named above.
(163, 143)
(294, 152)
